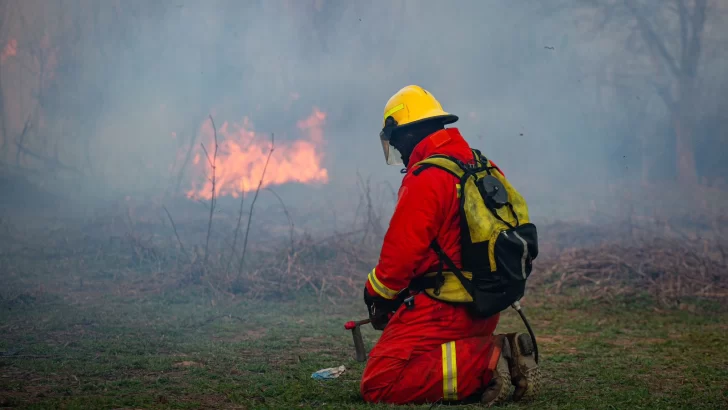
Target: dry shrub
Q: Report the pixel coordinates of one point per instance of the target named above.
(638, 256)
(328, 266)
(671, 257)
(334, 266)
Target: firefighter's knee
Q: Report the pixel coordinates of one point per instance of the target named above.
(379, 377)
(371, 395)
(373, 390)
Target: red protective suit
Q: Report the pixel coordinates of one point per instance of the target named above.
(433, 351)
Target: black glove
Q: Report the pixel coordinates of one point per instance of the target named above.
(380, 309)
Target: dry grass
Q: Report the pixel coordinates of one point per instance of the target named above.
(163, 248)
(671, 260)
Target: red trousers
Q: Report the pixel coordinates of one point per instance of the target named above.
(431, 352)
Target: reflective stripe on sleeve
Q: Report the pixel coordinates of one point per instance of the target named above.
(378, 287)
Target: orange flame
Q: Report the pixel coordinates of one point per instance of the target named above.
(10, 50)
(242, 155)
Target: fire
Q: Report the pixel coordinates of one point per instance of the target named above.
(10, 50)
(242, 155)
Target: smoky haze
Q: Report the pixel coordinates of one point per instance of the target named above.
(193, 194)
(563, 99)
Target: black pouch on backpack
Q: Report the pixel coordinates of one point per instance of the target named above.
(513, 251)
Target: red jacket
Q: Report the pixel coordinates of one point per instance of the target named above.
(427, 208)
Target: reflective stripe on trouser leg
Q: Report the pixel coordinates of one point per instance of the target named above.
(449, 372)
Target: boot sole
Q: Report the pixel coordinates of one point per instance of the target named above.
(504, 389)
(499, 390)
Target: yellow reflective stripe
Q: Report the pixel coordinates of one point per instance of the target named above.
(393, 110)
(378, 287)
(449, 372)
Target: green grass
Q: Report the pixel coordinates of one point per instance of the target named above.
(188, 348)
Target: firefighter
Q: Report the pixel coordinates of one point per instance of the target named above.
(431, 350)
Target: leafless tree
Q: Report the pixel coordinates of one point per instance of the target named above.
(667, 39)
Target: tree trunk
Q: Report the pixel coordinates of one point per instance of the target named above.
(683, 122)
(684, 150)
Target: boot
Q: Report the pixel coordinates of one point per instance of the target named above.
(524, 371)
(499, 387)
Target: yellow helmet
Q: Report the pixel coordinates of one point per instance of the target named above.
(410, 105)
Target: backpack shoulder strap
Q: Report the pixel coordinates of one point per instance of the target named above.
(443, 162)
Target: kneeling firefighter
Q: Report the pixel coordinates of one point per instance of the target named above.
(458, 251)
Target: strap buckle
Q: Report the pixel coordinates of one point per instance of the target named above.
(410, 302)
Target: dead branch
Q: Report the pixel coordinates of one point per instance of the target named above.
(288, 216)
(21, 139)
(142, 249)
(372, 221)
(237, 230)
(174, 227)
(653, 39)
(213, 198)
(252, 205)
(667, 268)
(55, 163)
(183, 168)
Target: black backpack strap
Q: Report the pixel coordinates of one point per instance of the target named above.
(422, 168)
(422, 283)
(458, 273)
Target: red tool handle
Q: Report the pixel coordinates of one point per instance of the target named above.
(352, 324)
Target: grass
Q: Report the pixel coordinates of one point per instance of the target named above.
(92, 327)
(189, 348)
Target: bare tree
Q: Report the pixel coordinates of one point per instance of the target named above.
(668, 36)
(66, 52)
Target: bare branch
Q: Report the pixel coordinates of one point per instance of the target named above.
(21, 139)
(213, 200)
(209, 160)
(652, 39)
(252, 205)
(48, 161)
(690, 60)
(237, 230)
(285, 211)
(182, 169)
(683, 15)
(174, 227)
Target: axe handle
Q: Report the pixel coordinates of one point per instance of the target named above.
(361, 354)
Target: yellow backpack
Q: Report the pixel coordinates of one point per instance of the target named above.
(498, 240)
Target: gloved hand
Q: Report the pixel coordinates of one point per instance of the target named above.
(380, 309)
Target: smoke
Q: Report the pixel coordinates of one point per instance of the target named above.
(534, 91)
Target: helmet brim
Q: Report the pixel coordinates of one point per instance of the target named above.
(444, 119)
